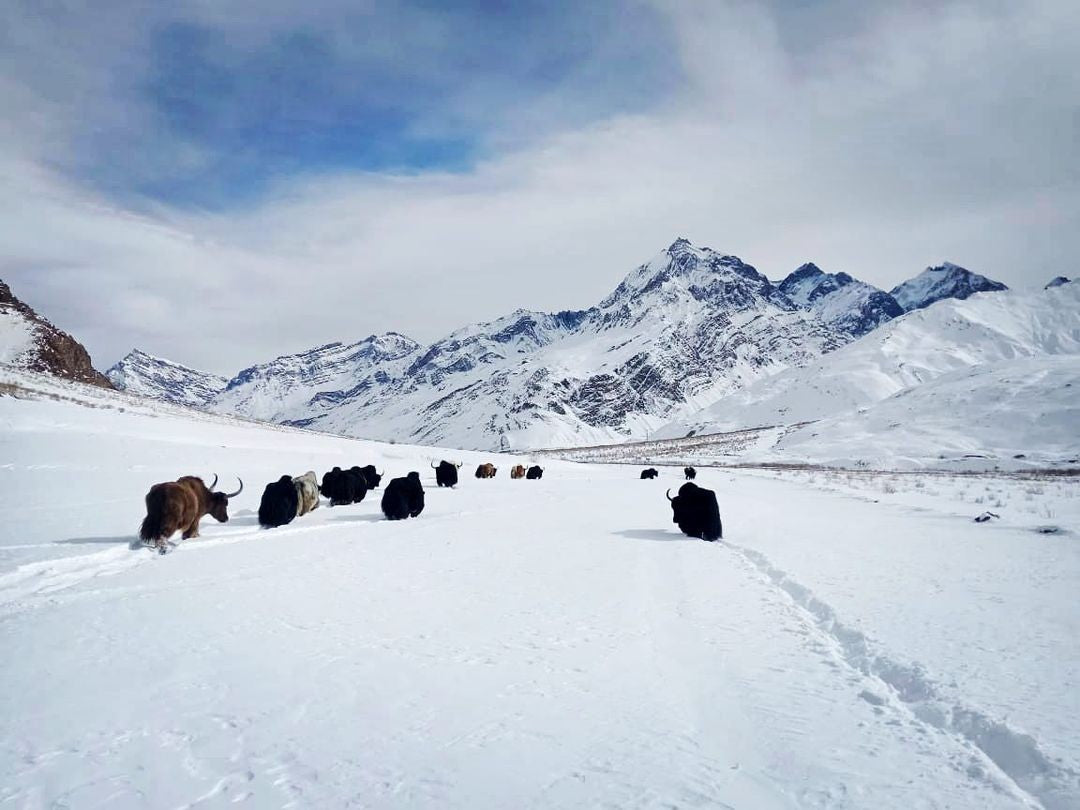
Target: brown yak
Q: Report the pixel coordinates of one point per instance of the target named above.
(179, 505)
(517, 471)
(486, 470)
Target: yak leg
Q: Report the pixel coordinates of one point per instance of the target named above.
(192, 530)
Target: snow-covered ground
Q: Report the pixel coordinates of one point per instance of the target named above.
(855, 641)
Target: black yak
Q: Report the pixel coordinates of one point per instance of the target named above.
(403, 497)
(372, 477)
(179, 505)
(343, 487)
(280, 503)
(534, 473)
(446, 474)
(696, 512)
(358, 482)
(649, 473)
(690, 473)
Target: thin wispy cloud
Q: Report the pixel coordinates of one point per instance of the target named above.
(220, 186)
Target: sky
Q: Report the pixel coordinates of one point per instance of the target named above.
(220, 182)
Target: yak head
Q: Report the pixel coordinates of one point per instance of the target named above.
(218, 502)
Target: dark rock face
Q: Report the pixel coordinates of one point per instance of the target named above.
(51, 350)
(946, 280)
(845, 303)
(1057, 282)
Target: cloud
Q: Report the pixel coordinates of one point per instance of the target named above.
(869, 138)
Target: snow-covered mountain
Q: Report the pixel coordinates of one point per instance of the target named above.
(947, 280)
(679, 332)
(909, 351)
(1057, 281)
(845, 303)
(146, 375)
(298, 388)
(29, 341)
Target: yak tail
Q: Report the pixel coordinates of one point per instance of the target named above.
(151, 527)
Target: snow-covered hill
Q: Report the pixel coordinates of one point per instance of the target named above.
(841, 301)
(1010, 414)
(143, 374)
(908, 351)
(29, 341)
(543, 644)
(947, 280)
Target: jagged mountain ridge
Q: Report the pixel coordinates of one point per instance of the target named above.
(946, 280)
(677, 334)
(29, 341)
(845, 303)
(146, 375)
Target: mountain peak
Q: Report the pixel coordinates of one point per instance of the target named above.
(1057, 281)
(946, 280)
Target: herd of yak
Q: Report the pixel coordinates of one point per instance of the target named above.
(180, 505)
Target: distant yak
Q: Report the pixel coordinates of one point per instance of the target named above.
(279, 504)
(307, 492)
(534, 473)
(690, 473)
(446, 474)
(517, 471)
(695, 511)
(487, 470)
(403, 497)
(649, 473)
(179, 505)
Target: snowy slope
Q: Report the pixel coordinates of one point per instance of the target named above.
(841, 301)
(678, 332)
(1020, 412)
(918, 347)
(947, 280)
(299, 387)
(16, 337)
(29, 341)
(143, 374)
(522, 644)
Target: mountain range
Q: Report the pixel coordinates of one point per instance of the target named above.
(678, 334)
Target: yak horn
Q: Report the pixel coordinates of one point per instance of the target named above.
(668, 494)
(213, 484)
(234, 494)
(459, 465)
(433, 466)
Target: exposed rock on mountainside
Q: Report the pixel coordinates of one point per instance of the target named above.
(144, 374)
(845, 303)
(944, 281)
(29, 341)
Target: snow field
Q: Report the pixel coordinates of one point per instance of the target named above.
(542, 643)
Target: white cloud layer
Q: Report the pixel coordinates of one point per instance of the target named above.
(874, 141)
